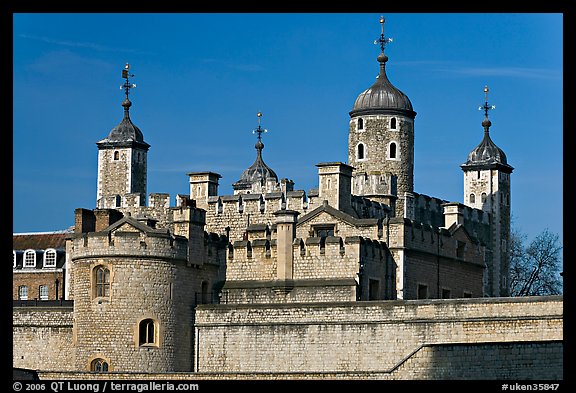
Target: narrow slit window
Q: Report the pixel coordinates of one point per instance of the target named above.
(361, 151)
(392, 150)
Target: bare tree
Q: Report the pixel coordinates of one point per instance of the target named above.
(535, 269)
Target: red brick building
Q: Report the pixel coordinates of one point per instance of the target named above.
(38, 265)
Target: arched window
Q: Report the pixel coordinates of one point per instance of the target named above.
(360, 123)
(102, 280)
(483, 197)
(360, 153)
(147, 332)
(116, 156)
(392, 150)
(472, 198)
(50, 258)
(29, 258)
(99, 366)
(393, 123)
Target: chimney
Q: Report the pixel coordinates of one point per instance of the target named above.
(285, 232)
(453, 214)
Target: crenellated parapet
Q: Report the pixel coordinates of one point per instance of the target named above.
(127, 242)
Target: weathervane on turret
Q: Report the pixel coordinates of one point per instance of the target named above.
(127, 85)
(486, 123)
(486, 107)
(382, 40)
(259, 130)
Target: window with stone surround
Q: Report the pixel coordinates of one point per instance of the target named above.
(99, 365)
(393, 151)
(393, 123)
(360, 152)
(147, 333)
(101, 281)
(360, 124)
(50, 258)
(29, 258)
(116, 156)
(323, 230)
(483, 197)
(472, 198)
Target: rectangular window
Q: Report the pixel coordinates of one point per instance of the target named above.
(323, 230)
(373, 289)
(460, 249)
(445, 293)
(43, 292)
(23, 292)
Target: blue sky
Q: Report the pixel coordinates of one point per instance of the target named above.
(201, 79)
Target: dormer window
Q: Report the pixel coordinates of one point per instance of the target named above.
(29, 258)
(360, 124)
(50, 258)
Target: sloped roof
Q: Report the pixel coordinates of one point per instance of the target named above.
(40, 240)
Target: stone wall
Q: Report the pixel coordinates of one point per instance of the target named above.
(370, 337)
(42, 338)
(520, 361)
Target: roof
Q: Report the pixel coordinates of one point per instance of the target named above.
(40, 240)
(487, 154)
(125, 133)
(382, 97)
(258, 172)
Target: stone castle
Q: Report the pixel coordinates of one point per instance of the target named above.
(339, 281)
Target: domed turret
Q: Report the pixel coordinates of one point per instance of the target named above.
(487, 154)
(126, 132)
(381, 140)
(382, 96)
(258, 177)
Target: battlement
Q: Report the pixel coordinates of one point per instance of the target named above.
(257, 203)
(313, 257)
(126, 241)
(431, 210)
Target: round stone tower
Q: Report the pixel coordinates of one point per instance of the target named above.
(133, 299)
(381, 140)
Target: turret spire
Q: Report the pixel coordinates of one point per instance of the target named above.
(382, 41)
(486, 107)
(126, 86)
